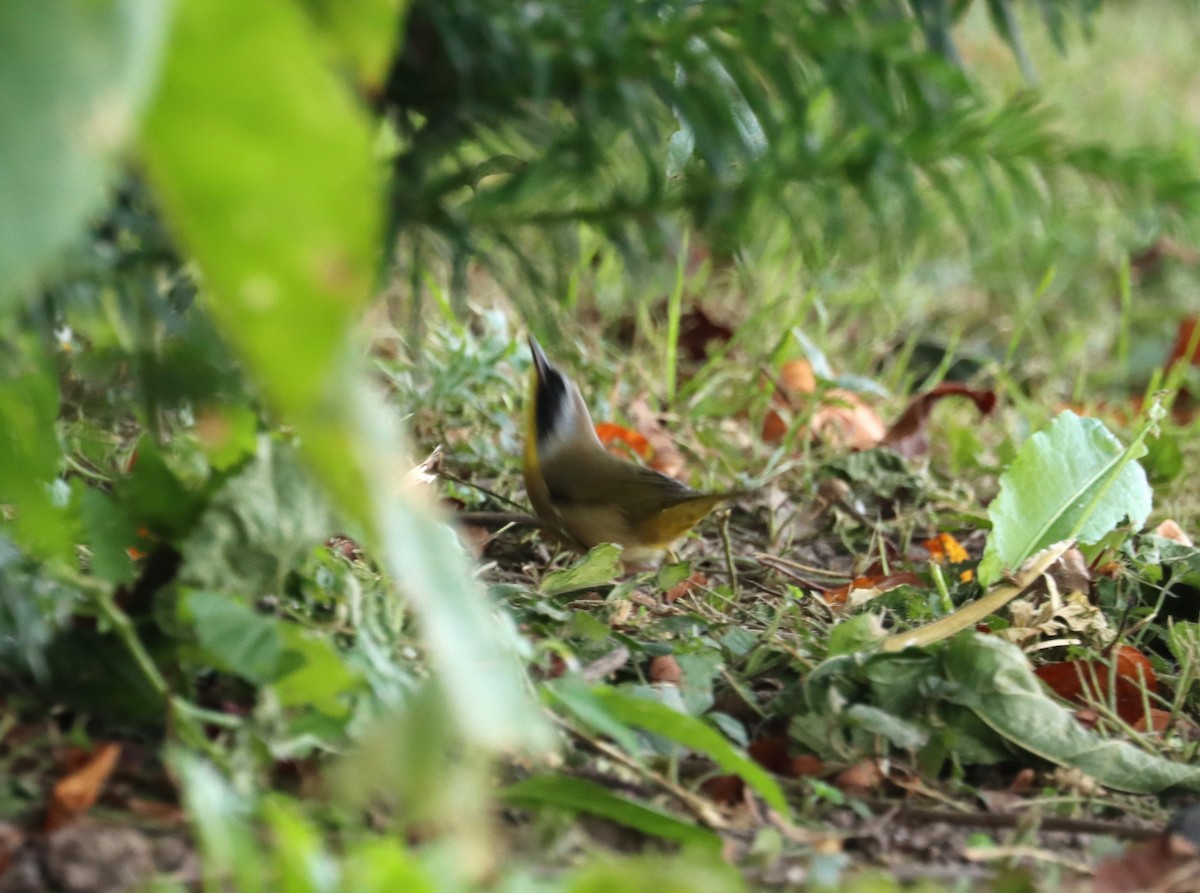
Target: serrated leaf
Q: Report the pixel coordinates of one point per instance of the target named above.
(1072, 480)
(582, 795)
(258, 526)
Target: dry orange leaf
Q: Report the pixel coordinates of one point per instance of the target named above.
(1155, 720)
(1087, 680)
(683, 587)
(945, 549)
(845, 421)
(842, 418)
(879, 582)
(622, 438)
(75, 793)
(773, 427)
(796, 377)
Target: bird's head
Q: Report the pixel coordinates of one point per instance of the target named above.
(560, 418)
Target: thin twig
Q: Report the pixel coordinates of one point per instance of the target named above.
(447, 476)
(913, 815)
(499, 519)
(730, 564)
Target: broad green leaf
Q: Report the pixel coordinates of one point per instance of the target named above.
(280, 206)
(235, 637)
(599, 567)
(688, 872)
(995, 681)
(281, 210)
(74, 75)
(697, 671)
(1073, 480)
(303, 669)
(582, 795)
(258, 526)
(383, 864)
(476, 665)
(221, 822)
(29, 455)
(856, 633)
(364, 34)
(695, 735)
(301, 861)
(317, 676)
(34, 608)
(230, 435)
(902, 734)
(1157, 558)
(156, 497)
(110, 532)
(1183, 638)
(581, 700)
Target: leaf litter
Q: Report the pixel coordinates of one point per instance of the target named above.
(746, 689)
(981, 714)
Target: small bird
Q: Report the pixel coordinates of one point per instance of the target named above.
(590, 495)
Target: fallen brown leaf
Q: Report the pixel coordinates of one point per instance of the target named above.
(1170, 530)
(876, 584)
(909, 435)
(771, 752)
(807, 766)
(1082, 681)
(75, 793)
(697, 331)
(665, 456)
(726, 790)
(841, 418)
(859, 780)
(665, 668)
(683, 587)
(1166, 863)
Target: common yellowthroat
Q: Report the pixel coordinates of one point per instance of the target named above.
(592, 496)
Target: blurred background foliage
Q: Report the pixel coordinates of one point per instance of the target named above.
(186, 408)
